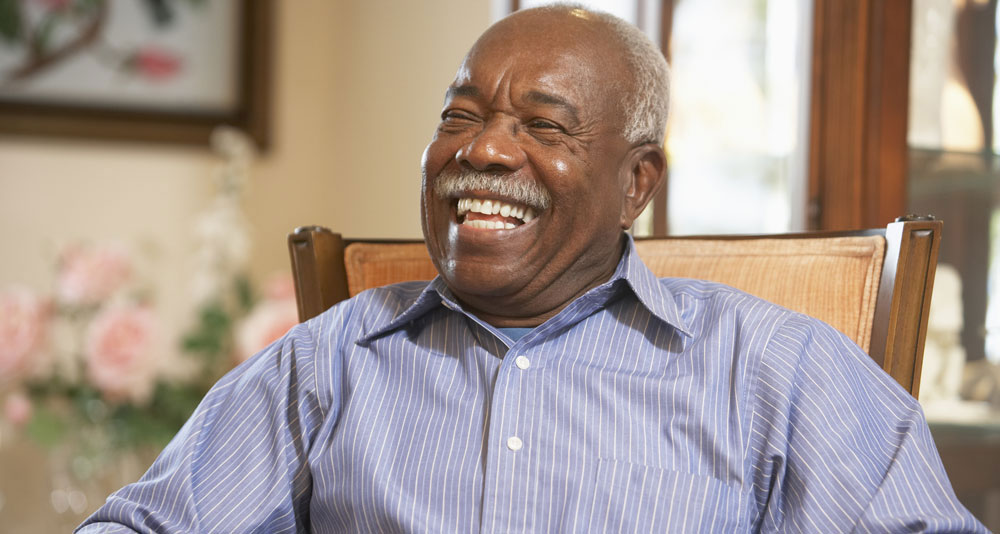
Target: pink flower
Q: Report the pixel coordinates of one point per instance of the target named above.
(22, 324)
(88, 276)
(17, 409)
(155, 64)
(268, 321)
(119, 352)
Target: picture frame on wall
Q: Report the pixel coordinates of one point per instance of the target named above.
(166, 71)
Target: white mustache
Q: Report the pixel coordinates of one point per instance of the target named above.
(528, 192)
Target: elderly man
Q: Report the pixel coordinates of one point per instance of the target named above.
(546, 381)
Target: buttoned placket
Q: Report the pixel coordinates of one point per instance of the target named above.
(509, 442)
(508, 447)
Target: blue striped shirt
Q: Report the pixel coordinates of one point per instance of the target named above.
(672, 405)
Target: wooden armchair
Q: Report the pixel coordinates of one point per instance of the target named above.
(873, 285)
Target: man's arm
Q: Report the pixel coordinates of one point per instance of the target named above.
(840, 446)
(240, 462)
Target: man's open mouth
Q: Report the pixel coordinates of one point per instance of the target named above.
(492, 214)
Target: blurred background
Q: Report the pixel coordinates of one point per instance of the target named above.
(154, 154)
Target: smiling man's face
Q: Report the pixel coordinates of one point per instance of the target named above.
(529, 181)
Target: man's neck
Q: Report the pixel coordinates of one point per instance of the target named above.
(495, 311)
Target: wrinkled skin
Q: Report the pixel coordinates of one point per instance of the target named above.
(538, 98)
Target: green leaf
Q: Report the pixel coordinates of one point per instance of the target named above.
(10, 21)
(245, 296)
(85, 7)
(43, 36)
(161, 12)
(46, 428)
(211, 334)
(156, 424)
(214, 317)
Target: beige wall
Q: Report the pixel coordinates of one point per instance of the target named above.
(358, 114)
(357, 92)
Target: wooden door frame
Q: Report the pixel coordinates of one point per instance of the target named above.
(858, 113)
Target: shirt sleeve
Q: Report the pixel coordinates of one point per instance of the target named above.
(839, 446)
(240, 462)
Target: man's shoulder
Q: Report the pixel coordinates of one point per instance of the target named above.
(790, 335)
(379, 300)
(717, 300)
(369, 309)
(689, 292)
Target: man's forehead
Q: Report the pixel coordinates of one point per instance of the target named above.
(548, 69)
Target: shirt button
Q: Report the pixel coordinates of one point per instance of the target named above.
(514, 443)
(522, 362)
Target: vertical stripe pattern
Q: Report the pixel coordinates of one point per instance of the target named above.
(664, 405)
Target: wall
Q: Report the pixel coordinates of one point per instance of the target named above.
(356, 121)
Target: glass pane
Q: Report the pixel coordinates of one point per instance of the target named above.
(953, 162)
(943, 111)
(954, 175)
(737, 139)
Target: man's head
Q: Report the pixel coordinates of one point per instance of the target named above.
(553, 125)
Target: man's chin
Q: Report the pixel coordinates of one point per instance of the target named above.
(479, 280)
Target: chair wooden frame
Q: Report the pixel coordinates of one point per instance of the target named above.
(901, 309)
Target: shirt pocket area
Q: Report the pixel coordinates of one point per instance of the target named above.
(631, 497)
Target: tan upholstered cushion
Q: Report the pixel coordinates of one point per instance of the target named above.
(377, 264)
(832, 279)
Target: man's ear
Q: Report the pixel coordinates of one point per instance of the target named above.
(646, 167)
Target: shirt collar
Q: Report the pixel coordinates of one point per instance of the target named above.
(647, 287)
(631, 271)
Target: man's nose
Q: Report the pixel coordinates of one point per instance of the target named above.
(495, 147)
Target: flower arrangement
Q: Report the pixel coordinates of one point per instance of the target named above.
(89, 371)
(91, 356)
(88, 367)
(88, 362)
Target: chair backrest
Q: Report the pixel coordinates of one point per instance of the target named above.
(873, 285)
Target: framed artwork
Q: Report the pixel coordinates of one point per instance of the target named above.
(144, 70)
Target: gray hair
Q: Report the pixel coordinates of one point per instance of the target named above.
(647, 104)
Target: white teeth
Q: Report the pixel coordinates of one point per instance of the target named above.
(489, 225)
(493, 207)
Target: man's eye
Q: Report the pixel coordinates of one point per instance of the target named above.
(452, 115)
(543, 124)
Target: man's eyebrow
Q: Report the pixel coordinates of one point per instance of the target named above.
(461, 90)
(547, 99)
